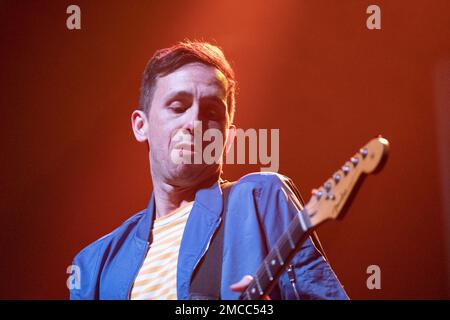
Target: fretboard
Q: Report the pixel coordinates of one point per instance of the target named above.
(278, 258)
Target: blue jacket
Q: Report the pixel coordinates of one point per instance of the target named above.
(260, 207)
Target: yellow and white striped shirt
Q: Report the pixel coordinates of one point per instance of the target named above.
(157, 277)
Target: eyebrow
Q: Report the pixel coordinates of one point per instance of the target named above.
(178, 94)
(187, 94)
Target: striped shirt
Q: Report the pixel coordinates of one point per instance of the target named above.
(157, 277)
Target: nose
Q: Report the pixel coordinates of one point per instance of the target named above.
(193, 119)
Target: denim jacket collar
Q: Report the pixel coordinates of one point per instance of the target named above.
(209, 199)
(203, 220)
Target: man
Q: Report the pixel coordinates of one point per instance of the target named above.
(156, 253)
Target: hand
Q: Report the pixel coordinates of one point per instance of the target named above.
(243, 284)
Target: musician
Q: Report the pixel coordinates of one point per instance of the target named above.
(158, 252)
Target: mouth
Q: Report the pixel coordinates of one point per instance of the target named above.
(185, 149)
(185, 146)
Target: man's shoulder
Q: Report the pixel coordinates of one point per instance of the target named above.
(266, 187)
(263, 179)
(127, 228)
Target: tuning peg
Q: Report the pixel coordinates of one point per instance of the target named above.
(317, 193)
(345, 169)
(327, 186)
(337, 178)
(355, 161)
(364, 152)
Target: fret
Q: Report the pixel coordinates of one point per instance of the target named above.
(298, 227)
(291, 242)
(302, 221)
(280, 259)
(254, 292)
(268, 270)
(259, 286)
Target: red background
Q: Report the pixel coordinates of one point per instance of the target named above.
(72, 171)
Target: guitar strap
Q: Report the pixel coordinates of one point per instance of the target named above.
(206, 281)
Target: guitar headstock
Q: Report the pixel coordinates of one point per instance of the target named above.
(333, 198)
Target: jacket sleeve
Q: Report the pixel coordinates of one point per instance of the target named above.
(82, 282)
(314, 277)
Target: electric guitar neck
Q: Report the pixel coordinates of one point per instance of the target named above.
(330, 201)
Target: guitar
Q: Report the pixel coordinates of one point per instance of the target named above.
(330, 201)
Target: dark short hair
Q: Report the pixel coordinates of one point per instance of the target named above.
(168, 60)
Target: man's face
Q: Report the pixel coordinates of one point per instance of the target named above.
(193, 95)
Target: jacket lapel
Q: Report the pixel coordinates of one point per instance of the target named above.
(200, 226)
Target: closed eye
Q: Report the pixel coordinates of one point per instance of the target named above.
(213, 113)
(214, 109)
(178, 106)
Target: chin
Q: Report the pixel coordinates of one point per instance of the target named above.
(191, 174)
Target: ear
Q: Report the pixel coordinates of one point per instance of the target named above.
(230, 137)
(139, 123)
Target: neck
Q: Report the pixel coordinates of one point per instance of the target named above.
(169, 197)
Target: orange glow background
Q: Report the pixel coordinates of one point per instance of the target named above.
(72, 171)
